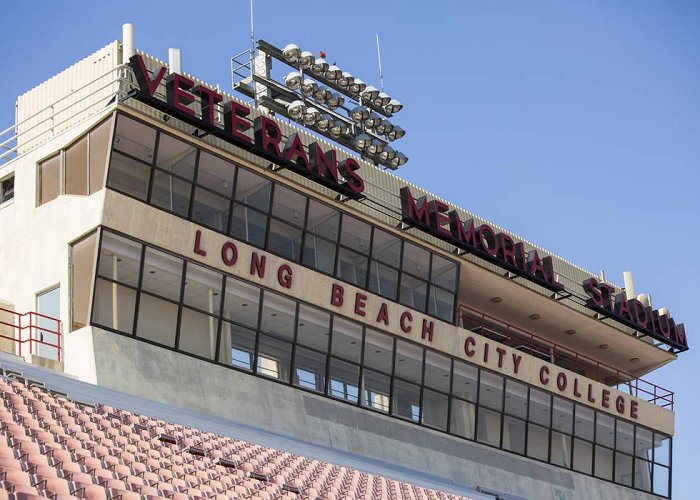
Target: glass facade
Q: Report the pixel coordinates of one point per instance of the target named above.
(161, 298)
(175, 176)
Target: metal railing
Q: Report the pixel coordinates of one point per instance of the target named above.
(32, 327)
(507, 334)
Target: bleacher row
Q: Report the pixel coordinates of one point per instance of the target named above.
(52, 447)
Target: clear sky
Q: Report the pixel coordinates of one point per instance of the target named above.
(575, 125)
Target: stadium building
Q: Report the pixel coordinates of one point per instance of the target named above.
(206, 294)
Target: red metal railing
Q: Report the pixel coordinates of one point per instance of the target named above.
(507, 334)
(32, 327)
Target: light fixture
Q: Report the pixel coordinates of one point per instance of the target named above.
(319, 67)
(603, 346)
(394, 106)
(381, 100)
(293, 80)
(306, 59)
(291, 53)
(296, 109)
(324, 123)
(337, 129)
(375, 147)
(308, 87)
(372, 120)
(535, 317)
(396, 133)
(359, 114)
(496, 300)
(387, 153)
(571, 332)
(398, 160)
(333, 73)
(370, 93)
(384, 127)
(334, 101)
(634, 360)
(311, 116)
(345, 80)
(321, 94)
(357, 86)
(361, 141)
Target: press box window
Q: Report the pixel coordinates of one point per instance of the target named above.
(7, 189)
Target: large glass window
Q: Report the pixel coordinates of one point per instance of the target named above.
(82, 264)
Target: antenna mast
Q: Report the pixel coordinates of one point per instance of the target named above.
(379, 60)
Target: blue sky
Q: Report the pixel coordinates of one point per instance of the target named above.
(575, 125)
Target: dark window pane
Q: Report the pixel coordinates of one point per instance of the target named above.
(114, 306)
(441, 304)
(437, 371)
(662, 449)
(176, 157)
(352, 267)
(237, 346)
(491, 390)
(379, 349)
(216, 174)
(623, 469)
(605, 430)
(289, 205)
(375, 390)
(309, 369)
(383, 280)
(319, 254)
(170, 193)
(120, 259)
(444, 273)
(603, 463)
(278, 315)
(157, 320)
(248, 225)
(50, 179)
(416, 260)
(386, 248)
(128, 176)
(462, 418)
(562, 415)
(434, 409)
(274, 356)
(198, 333)
(561, 449)
(661, 480)
(210, 209)
(76, 175)
(488, 427)
(409, 361)
(162, 274)
(516, 399)
(537, 441)
(203, 288)
(514, 435)
(347, 339)
(642, 474)
(312, 327)
(406, 400)
(584, 422)
(344, 380)
(135, 139)
(413, 292)
(241, 302)
(284, 240)
(99, 144)
(464, 381)
(624, 437)
(253, 190)
(583, 456)
(644, 443)
(355, 234)
(82, 264)
(540, 406)
(323, 220)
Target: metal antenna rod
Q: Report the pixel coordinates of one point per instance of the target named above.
(252, 32)
(379, 60)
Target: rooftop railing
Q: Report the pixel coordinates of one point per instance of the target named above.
(32, 328)
(507, 334)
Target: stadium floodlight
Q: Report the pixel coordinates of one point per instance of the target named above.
(356, 86)
(398, 160)
(308, 87)
(291, 53)
(321, 94)
(338, 129)
(319, 67)
(394, 106)
(372, 120)
(335, 101)
(381, 100)
(375, 147)
(306, 59)
(324, 122)
(333, 73)
(384, 127)
(361, 141)
(293, 80)
(345, 80)
(387, 154)
(296, 109)
(359, 114)
(370, 93)
(311, 116)
(396, 133)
